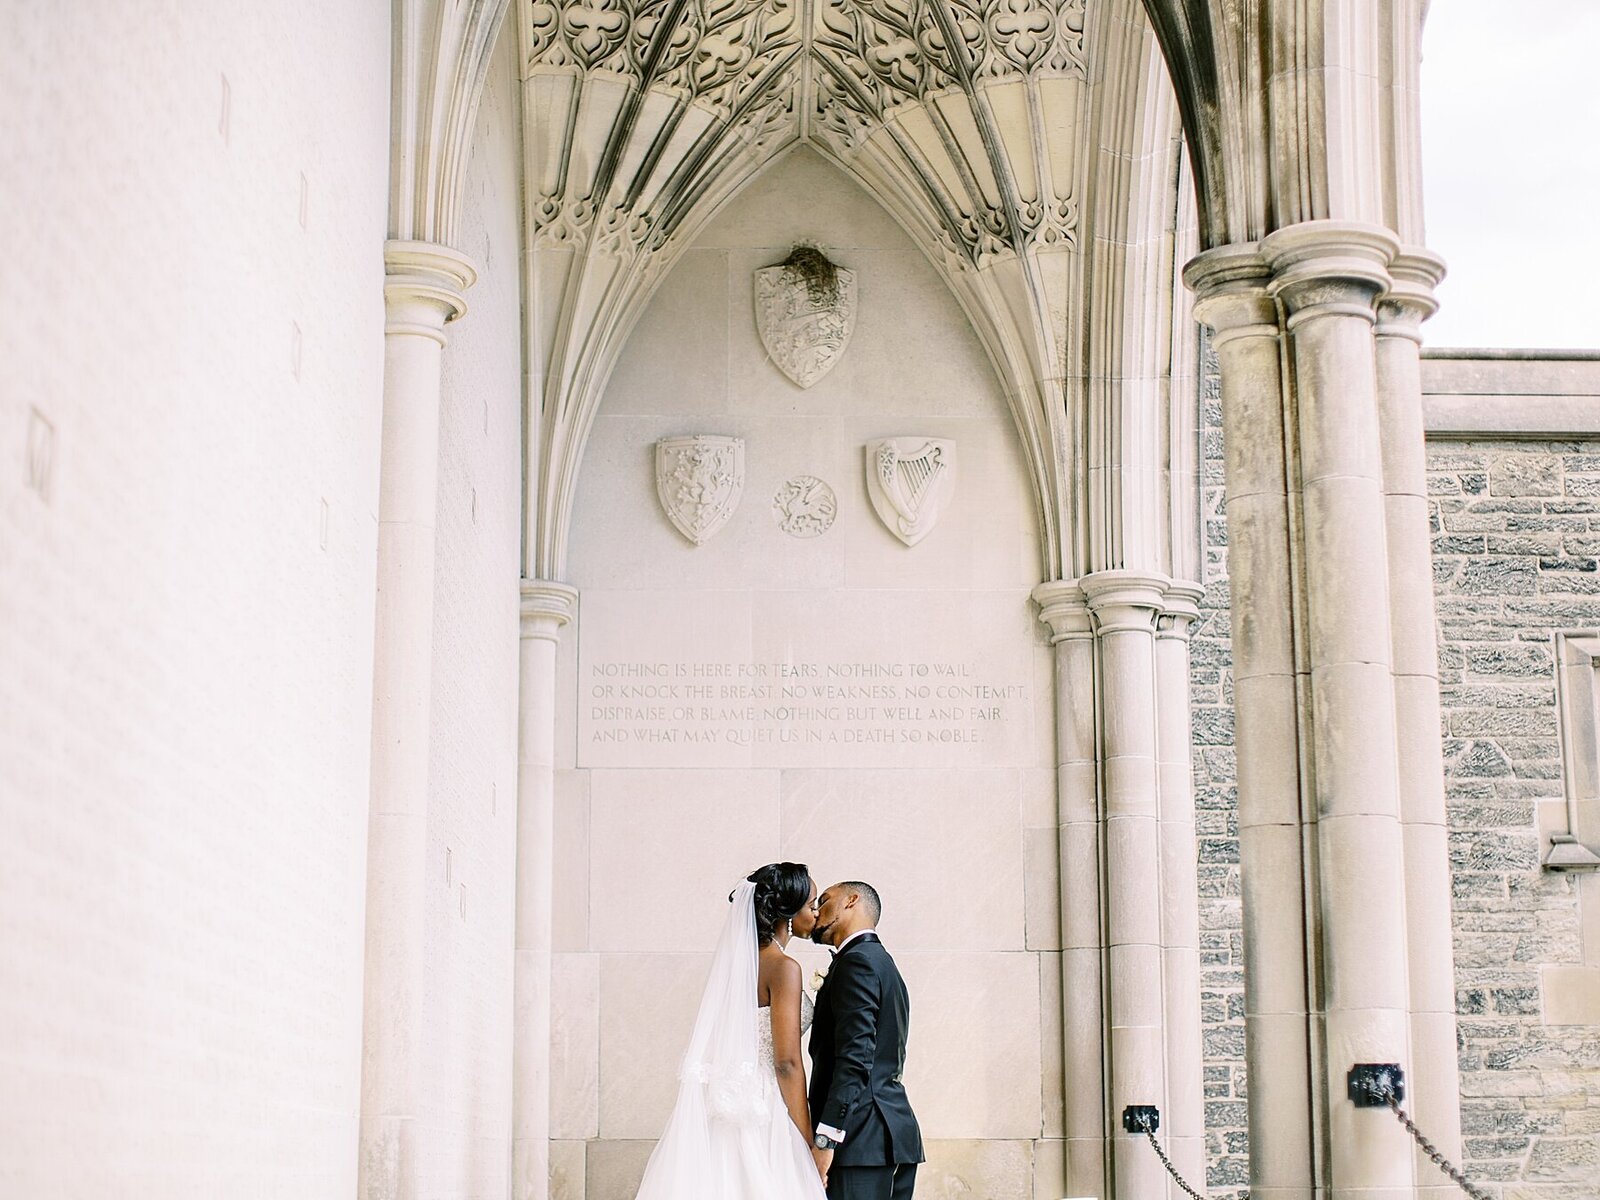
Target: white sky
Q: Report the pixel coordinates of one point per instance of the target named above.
(1511, 164)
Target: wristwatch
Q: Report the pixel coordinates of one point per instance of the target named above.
(823, 1142)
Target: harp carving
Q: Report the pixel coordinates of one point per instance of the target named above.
(909, 481)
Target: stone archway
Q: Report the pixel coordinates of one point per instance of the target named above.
(1034, 158)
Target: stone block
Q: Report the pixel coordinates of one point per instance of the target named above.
(1525, 475)
(668, 888)
(961, 1169)
(1571, 994)
(574, 1047)
(570, 892)
(647, 1008)
(615, 1168)
(887, 826)
(973, 1062)
(568, 1170)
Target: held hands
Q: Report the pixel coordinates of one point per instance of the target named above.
(824, 1160)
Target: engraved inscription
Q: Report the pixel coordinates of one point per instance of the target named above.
(825, 703)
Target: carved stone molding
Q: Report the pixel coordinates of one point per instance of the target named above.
(546, 607)
(423, 287)
(1125, 601)
(699, 480)
(909, 481)
(1065, 609)
(805, 319)
(805, 507)
(441, 57)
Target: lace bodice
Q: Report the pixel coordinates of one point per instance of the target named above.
(764, 1027)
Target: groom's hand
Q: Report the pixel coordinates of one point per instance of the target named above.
(824, 1159)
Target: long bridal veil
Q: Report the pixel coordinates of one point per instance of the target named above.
(729, 1136)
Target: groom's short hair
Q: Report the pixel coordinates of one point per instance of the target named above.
(869, 897)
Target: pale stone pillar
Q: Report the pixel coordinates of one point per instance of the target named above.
(1230, 286)
(1328, 277)
(546, 608)
(1063, 607)
(1125, 605)
(422, 292)
(1184, 1120)
(1434, 1091)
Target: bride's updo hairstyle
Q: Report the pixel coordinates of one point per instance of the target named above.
(782, 889)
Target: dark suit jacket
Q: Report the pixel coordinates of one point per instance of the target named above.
(858, 1051)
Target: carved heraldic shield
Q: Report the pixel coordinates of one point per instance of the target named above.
(909, 481)
(805, 322)
(699, 480)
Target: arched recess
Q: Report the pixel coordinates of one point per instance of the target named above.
(987, 131)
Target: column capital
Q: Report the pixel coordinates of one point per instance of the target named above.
(1065, 609)
(1181, 609)
(424, 287)
(1410, 301)
(1330, 268)
(1125, 600)
(1230, 287)
(546, 607)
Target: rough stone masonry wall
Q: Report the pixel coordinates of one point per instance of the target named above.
(1517, 529)
(1516, 532)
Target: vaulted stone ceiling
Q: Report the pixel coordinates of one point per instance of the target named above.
(964, 109)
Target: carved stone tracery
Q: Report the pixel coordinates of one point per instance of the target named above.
(978, 124)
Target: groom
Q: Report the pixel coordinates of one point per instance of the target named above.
(867, 1143)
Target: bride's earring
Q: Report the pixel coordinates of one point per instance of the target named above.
(791, 927)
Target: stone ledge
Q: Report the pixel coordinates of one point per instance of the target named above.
(1457, 416)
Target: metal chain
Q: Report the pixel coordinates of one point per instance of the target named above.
(1432, 1151)
(1171, 1170)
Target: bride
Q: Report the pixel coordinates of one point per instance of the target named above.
(741, 1129)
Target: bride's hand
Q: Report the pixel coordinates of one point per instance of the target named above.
(824, 1159)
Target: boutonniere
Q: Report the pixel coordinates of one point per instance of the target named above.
(820, 976)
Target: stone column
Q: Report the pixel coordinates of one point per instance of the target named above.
(1327, 276)
(1184, 1120)
(546, 607)
(1434, 1091)
(422, 292)
(1063, 607)
(1230, 286)
(1125, 605)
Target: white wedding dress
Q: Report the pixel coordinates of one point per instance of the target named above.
(730, 1136)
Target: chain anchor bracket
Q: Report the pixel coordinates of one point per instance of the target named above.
(1383, 1085)
(1369, 1085)
(1146, 1119)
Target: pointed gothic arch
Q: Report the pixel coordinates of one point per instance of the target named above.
(1032, 156)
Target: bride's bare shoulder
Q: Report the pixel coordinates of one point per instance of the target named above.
(778, 970)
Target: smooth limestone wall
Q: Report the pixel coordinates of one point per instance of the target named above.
(1517, 532)
(188, 478)
(654, 828)
(472, 789)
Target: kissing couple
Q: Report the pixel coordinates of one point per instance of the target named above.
(745, 1126)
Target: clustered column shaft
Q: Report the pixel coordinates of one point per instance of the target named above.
(1064, 608)
(1337, 743)
(1436, 1101)
(1130, 915)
